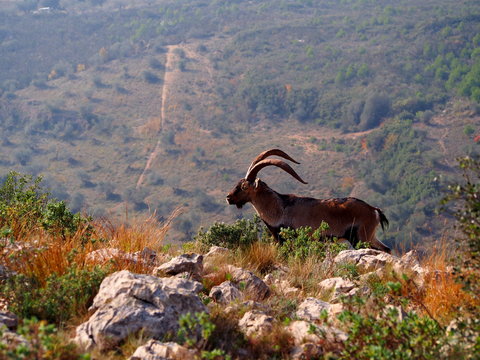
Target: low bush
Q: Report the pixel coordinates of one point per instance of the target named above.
(42, 342)
(242, 233)
(304, 242)
(59, 299)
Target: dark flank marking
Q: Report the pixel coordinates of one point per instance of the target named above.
(351, 234)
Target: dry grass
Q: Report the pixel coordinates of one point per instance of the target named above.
(443, 293)
(307, 274)
(259, 257)
(43, 254)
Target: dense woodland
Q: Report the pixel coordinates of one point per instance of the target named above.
(385, 95)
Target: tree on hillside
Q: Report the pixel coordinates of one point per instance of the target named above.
(377, 106)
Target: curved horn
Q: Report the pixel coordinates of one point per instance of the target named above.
(268, 153)
(252, 174)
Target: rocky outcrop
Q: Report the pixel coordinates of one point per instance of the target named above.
(369, 261)
(311, 309)
(310, 339)
(256, 322)
(186, 263)
(156, 350)
(337, 287)
(366, 260)
(253, 286)
(8, 319)
(225, 293)
(146, 257)
(127, 303)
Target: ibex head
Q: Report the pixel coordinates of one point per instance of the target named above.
(248, 187)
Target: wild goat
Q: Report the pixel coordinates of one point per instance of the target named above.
(348, 218)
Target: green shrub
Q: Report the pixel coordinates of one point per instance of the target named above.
(304, 242)
(196, 331)
(60, 299)
(42, 343)
(242, 233)
(25, 206)
(466, 197)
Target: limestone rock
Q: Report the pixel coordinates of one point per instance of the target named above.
(156, 350)
(215, 251)
(127, 303)
(366, 260)
(191, 263)
(254, 286)
(306, 351)
(311, 309)
(225, 293)
(256, 322)
(8, 319)
(307, 332)
(338, 287)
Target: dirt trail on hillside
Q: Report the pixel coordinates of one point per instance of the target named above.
(168, 79)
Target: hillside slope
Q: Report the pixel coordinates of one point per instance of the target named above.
(163, 105)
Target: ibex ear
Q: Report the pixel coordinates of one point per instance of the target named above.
(257, 183)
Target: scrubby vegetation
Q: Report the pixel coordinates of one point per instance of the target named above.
(50, 283)
(366, 91)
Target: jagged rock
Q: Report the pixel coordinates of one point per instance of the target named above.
(215, 251)
(191, 263)
(147, 255)
(12, 339)
(366, 260)
(307, 332)
(225, 292)
(338, 287)
(306, 351)
(256, 322)
(8, 319)
(102, 256)
(282, 286)
(156, 350)
(254, 286)
(311, 309)
(408, 264)
(127, 303)
(5, 273)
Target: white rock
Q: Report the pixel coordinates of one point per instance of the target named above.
(156, 350)
(102, 256)
(9, 319)
(306, 351)
(191, 263)
(311, 309)
(256, 322)
(307, 332)
(215, 251)
(338, 287)
(253, 285)
(127, 303)
(225, 293)
(365, 259)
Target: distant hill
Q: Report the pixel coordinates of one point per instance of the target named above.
(128, 107)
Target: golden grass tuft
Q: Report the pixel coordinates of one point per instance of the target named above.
(443, 292)
(44, 254)
(259, 257)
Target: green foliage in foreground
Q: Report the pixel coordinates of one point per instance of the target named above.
(43, 342)
(196, 331)
(60, 299)
(304, 242)
(377, 330)
(466, 195)
(26, 207)
(242, 233)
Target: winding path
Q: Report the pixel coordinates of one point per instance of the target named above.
(168, 79)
